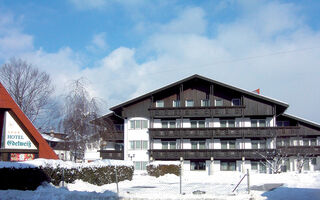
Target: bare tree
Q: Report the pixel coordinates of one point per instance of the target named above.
(277, 161)
(29, 87)
(303, 158)
(80, 109)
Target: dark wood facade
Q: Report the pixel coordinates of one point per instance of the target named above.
(197, 89)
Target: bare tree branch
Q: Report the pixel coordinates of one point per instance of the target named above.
(30, 88)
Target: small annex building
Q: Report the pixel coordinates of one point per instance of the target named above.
(20, 140)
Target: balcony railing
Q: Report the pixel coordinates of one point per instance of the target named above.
(218, 154)
(236, 132)
(112, 154)
(218, 111)
(112, 136)
(300, 151)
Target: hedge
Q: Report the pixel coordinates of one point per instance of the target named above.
(28, 177)
(162, 169)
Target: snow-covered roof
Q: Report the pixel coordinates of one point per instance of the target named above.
(302, 119)
(50, 138)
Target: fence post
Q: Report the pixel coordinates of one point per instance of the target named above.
(63, 177)
(181, 162)
(117, 179)
(248, 181)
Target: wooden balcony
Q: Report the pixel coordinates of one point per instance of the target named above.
(300, 150)
(113, 136)
(176, 112)
(112, 154)
(217, 154)
(236, 132)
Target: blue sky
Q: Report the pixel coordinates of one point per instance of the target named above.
(127, 48)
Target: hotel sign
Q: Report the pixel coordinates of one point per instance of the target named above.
(14, 136)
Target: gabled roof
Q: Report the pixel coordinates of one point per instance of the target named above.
(299, 119)
(196, 76)
(6, 102)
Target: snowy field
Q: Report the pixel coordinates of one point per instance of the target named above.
(217, 186)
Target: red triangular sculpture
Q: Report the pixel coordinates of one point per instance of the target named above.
(6, 102)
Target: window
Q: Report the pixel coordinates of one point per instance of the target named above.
(197, 165)
(258, 123)
(235, 102)
(232, 144)
(144, 144)
(305, 142)
(198, 144)
(165, 145)
(197, 124)
(139, 145)
(254, 123)
(224, 145)
(205, 103)
(193, 124)
(168, 124)
(306, 165)
(231, 123)
(258, 144)
(227, 123)
(262, 123)
(313, 141)
(254, 144)
(138, 124)
(218, 102)
(313, 161)
(172, 145)
(262, 167)
(140, 165)
(228, 144)
(118, 146)
(164, 124)
(168, 144)
(172, 124)
(176, 103)
(160, 104)
(254, 165)
(189, 103)
(201, 124)
(228, 166)
(283, 123)
(223, 123)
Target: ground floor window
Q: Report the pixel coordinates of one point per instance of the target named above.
(306, 165)
(262, 167)
(140, 165)
(254, 166)
(228, 166)
(197, 165)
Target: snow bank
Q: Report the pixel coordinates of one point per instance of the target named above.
(40, 162)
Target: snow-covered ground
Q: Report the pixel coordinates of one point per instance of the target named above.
(217, 186)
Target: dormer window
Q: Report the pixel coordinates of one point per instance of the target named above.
(218, 102)
(205, 103)
(160, 104)
(189, 103)
(235, 102)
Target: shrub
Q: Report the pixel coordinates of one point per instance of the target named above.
(162, 169)
(28, 177)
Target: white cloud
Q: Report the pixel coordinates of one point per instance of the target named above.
(190, 21)
(98, 42)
